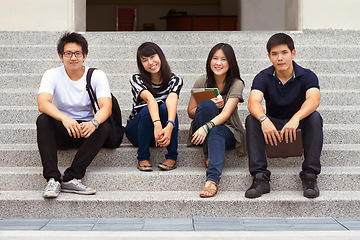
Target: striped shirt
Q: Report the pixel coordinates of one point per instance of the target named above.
(137, 86)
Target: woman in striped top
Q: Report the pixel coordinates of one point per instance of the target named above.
(153, 120)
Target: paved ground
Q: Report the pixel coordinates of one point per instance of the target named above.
(183, 228)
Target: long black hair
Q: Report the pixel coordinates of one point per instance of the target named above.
(233, 72)
(148, 49)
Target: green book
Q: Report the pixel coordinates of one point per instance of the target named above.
(215, 89)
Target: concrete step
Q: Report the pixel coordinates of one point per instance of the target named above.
(26, 134)
(181, 179)
(174, 51)
(330, 114)
(111, 66)
(121, 81)
(306, 37)
(27, 155)
(178, 204)
(28, 97)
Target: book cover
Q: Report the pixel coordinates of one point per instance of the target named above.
(284, 150)
(203, 94)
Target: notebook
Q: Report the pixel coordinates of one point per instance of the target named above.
(201, 94)
(284, 150)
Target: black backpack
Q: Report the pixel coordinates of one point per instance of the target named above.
(116, 137)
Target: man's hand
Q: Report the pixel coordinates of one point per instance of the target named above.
(289, 130)
(87, 128)
(271, 134)
(73, 127)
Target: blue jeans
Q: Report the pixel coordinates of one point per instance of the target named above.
(312, 135)
(140, 132)
(219, 139)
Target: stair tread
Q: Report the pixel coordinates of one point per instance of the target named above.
(278, 196)
(333, 170)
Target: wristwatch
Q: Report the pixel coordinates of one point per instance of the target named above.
(96, 123)
(262, 118)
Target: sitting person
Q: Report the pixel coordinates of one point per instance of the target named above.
(153, 120)
(216, 125)
(67, 119)
(292, 96)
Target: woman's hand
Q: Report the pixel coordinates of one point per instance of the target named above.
(218, 101)
(157, 131)
(199, 136)
(165, 135)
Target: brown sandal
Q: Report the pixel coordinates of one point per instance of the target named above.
(210, 190)
(206, 162)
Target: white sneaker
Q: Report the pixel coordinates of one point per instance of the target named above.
(75, 186)
(52, 189)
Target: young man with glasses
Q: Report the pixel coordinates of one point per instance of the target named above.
(292, 95)
(68, 120)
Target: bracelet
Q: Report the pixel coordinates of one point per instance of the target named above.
(209, 125)
(157, 120)
(172, 122)
(206, 131)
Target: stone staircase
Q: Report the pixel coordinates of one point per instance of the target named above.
(123, 191)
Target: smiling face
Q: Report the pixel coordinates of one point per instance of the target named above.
(219, 64)
(151, 64)
(72, 63)
(281, 57)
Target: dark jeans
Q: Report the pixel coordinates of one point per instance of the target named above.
(219, 139)
(312, 135)
(140, 132)
(52, 135)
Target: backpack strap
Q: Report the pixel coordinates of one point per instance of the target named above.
(90, 90)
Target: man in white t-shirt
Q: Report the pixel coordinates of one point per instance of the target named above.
(68, 120)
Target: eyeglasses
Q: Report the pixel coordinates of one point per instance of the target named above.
(77, 54)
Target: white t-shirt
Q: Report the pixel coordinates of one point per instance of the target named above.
(71, 97)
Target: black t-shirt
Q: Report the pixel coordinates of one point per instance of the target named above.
(283, 101)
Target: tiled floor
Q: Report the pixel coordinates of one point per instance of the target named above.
(180, 224)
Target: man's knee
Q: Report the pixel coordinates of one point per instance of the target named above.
(43, 120)
(251, 122)
(314, 120)
(106, 128)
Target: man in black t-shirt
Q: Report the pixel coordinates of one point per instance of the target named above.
(292, 95)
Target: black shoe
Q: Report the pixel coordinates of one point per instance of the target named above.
(259, 186)
(310, 187)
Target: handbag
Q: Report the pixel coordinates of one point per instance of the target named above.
(115, 120)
